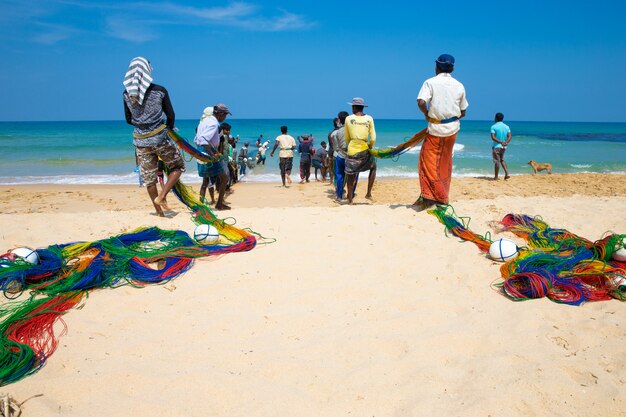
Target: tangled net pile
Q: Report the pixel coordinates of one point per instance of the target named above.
(557, 264)
(66, 274)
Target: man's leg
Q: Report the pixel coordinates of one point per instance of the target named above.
(350, 181)
(506, 171)
(496, 170)
(281, 165)
(153, 193)
(172, 178)
(340, 167)
(212, 192)
(221, 188)
(370, 182)
(203, 187)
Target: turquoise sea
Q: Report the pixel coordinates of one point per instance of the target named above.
(101, 152)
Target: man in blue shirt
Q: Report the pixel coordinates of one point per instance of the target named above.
(501, 136)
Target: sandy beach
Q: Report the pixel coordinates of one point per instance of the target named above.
(364, 310)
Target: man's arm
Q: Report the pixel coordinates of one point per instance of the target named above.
(423, 107)
(495, 139)
(128, 114)
(508, 138)
(372, 132)
(462, 114)
(346, 134)
(168, 110)
(274, 150)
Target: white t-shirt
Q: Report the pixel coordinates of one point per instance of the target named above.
(208, 132)
(285, 143)
(445, 97)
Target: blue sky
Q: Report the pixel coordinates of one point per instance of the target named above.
(549, 60)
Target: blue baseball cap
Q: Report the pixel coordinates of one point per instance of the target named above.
(445, 61)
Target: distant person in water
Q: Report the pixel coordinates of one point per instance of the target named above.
(243, 159)
(144, 106)
(261, 154)
(319, 161)
(500, 138)
(287, 144)
(360, 136)
(208, 137)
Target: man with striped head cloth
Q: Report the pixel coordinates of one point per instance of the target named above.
(145, 104)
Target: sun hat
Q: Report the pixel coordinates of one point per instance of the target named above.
(358, 101)
(221, 108)
(445, 61)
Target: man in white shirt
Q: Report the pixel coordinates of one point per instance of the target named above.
(287, 144)
(442, 100)
(208, 137)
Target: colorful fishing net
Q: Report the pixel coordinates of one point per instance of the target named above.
(201, 155)
(557, 264)
(396, 151)
(66, 273)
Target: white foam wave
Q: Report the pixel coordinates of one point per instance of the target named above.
(458, 147)
(580, 165)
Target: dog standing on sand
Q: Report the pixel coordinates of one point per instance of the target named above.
(540, 167)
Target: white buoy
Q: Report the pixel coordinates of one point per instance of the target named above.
(205, 233)
(620, 254)
(27, 254)
(503, 250)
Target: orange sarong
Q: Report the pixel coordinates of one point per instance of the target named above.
(435, 167)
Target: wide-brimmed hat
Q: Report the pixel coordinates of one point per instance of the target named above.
(221, 108)
(358, 101)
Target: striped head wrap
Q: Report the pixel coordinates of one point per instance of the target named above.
(138, 78)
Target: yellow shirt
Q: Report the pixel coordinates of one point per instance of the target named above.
(357, 130)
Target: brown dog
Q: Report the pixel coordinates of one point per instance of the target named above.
(540, 167)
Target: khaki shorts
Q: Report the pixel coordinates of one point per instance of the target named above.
(497, 154)
(149, 156)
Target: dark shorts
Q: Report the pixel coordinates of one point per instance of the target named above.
(497, 154)
(360, 162)
(285, 164)
(316, 163)
(211, 169)
(148, 157)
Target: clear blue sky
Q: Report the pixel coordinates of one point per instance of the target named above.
(531, 60)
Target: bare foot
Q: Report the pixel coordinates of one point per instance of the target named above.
(368, 196)
(302, 182)
(507, 177)
(161, 202)
(222, 207)
(288, 179)
(422, 204)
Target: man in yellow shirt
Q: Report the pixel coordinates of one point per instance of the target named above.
(360, 135)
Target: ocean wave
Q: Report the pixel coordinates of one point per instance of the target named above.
(458, 147)
(580, 165)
